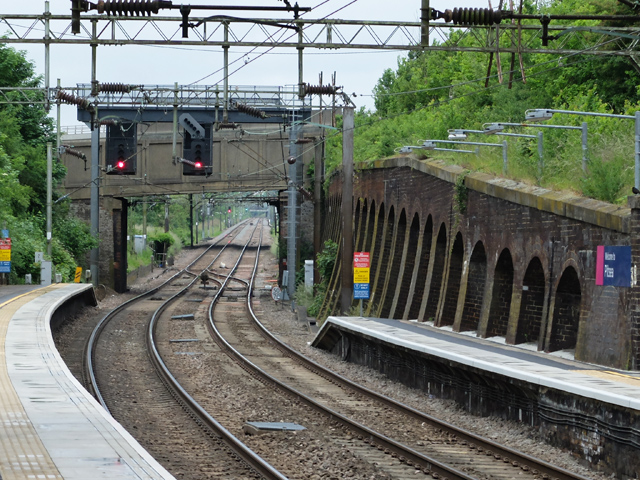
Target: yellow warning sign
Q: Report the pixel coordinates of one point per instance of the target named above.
(78, 275)
(361, 275)
(5, 255)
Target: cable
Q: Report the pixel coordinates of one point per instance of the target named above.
(278, 42)
(479, 91)
(468, 82)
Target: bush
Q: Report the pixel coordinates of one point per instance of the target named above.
(327, 259)
(605, 179)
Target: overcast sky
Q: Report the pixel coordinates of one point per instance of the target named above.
(357, 70)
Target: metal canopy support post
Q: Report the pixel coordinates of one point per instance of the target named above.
(505, 159)
(637, 163)
(95, 199)
(175, 124)
(47, 53)
(301, 91)
(191, 217)
(540, 155)
(292, 217)
(225, 48)
(346, 292)
(585, 147)
(144, 218)
(58, 132)
(49, 195)
(425, 16)
(203, 218)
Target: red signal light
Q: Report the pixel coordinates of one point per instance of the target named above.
(198, 164)
(120, 164)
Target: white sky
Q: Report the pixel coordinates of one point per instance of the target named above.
(357, 70)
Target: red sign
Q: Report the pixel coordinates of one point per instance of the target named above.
(5, 243)
(361, 260)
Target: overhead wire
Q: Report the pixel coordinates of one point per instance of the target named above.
(278, 43)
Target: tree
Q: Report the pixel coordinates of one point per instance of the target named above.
(24, 131)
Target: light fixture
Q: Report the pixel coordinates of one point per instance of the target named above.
(429, 145)
(493, 128)
(538, 115)
(457, 135)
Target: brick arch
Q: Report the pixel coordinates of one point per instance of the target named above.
(436, 277)
(476, 281)
(531, 303)
(359, 217)
(456, 259)
(501, 296)
(423, 267)
(409, 266)
(566, 311)
(395, 257)
(386, 225)
(370, 226)
(376, 253)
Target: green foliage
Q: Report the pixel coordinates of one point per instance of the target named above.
(74, 235)
(135, 260)
(24, 131)
(161, 242)
(314, 307)
(27, 239)
(63, 260)
(431, 92)
(606, 179)
(461, 194)
(327, 259)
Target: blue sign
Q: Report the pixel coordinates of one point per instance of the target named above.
(613, 266)
(5, 267)
(4, 233)
(361, 291)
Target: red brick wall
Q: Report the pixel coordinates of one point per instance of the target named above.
(548, 232)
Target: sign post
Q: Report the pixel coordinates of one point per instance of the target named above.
(361, 277)
(5, 255)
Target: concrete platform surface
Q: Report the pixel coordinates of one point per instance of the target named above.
(553, 370)
(50, 427)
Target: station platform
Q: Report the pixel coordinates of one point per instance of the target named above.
(589, 409)
(552, 370)
(50, 426)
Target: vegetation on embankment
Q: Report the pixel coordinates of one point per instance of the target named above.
(24, 132)
(433, 91)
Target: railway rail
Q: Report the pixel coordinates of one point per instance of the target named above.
(213, 452)
(343, 400)
(395, 440)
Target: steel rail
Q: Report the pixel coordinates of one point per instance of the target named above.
(525, 461)
(191, 405)
(88, 366)
(405, 454)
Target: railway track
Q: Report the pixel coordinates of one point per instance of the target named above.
(349, 431)
(372, 423)
(143, 396)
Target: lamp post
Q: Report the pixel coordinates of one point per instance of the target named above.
(461, 133)
(498, 127)
(431, 145)
(540, 115)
